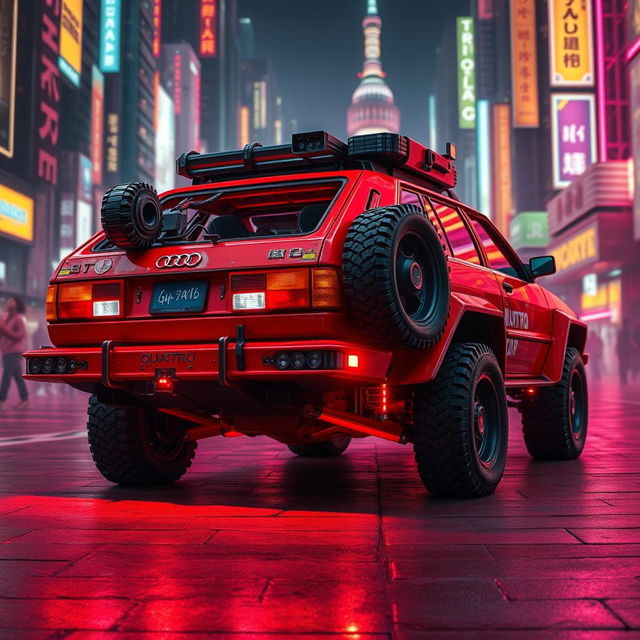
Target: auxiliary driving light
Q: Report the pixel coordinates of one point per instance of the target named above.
(35, 366)
(298, 360)
(282, 360)
(60, 365)
(47, 365)
(314, 359)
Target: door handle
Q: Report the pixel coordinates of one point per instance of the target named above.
(507, 286)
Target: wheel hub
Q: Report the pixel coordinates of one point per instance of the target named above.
(572, 403)
(415, 272)
(480, 420)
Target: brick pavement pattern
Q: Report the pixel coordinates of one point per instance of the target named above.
(256, 544)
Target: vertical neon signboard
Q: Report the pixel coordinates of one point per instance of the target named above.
(466, 73)
(433, 122)
(524, 64)
(8, 18)
(97, 124)
(157, 27)
(502, 205)
(483, 135)
(570, 43)
(208, 28)
(572, 135)
(70, 56)
(110, 36)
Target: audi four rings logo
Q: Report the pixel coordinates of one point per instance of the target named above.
(179, 260)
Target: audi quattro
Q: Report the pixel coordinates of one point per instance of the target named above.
(313, 292)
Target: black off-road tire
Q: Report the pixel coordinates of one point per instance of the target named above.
(381, 285)
(449, 454)
(551, 431)
(328, 449)
(126, 449)
(131, 215)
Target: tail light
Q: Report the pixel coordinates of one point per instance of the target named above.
(285, 289)
(325, 289)
(50, 303)
(82, 300)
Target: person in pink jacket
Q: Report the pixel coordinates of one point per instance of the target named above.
(13, 342)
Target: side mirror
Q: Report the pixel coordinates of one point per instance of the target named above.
(542, 266)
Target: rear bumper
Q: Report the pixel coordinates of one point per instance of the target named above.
(227, 361)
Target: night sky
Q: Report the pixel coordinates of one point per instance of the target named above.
(317, 51)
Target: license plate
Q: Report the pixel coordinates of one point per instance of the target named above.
(179, 297)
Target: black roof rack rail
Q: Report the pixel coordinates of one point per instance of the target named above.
(306, 151)
(317, 150)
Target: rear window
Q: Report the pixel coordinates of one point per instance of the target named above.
(270, 210)
(243, 213)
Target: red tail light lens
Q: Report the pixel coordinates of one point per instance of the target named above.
(270, 290)
(84, 300)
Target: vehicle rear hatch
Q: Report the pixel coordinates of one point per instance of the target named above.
(241, 240)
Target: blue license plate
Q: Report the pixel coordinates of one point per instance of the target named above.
(179, 297)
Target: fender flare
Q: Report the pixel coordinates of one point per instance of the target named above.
(565, 331)
(468, 316)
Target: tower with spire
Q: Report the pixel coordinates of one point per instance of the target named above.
(372, 108)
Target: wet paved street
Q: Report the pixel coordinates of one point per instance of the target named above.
(255, 543)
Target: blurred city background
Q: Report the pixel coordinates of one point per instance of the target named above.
(542, 98)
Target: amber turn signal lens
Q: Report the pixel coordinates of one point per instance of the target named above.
(325, 289)
(293, 279)
(50, 303)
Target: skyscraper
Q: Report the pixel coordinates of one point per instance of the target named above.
(372, 109)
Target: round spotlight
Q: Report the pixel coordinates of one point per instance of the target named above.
(47, 365)
(73, 366)
(60, 365)
(282, 360)
(298, 360)
(35, 365)
(314, 359)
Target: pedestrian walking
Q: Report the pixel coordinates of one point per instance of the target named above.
(13, 342)
(624, 350)
(595, 346)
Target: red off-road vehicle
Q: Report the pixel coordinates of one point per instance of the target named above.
(313, 292)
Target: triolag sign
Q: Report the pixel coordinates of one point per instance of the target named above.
(466, 74)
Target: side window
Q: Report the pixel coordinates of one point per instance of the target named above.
(409, 197)
(497, 260)
(458, 235)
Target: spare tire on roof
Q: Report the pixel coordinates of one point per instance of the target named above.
(396, 277)
(131, 215)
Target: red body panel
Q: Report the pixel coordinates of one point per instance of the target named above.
(528, 327)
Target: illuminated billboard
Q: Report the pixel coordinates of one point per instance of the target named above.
(502, 204)
(570, 43)
(9, 22)
(466, 73)
(572, 135)
(208, 28)
(70, 56)
(529, 229)
(16, 214)
(524, 64)
(110, 36)
(97, 123)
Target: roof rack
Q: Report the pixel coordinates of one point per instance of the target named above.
(318, 149)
